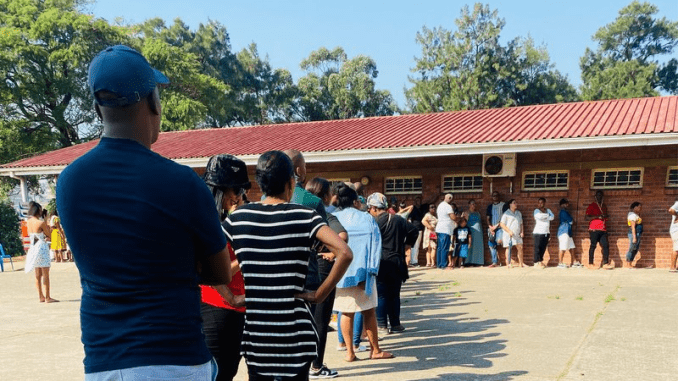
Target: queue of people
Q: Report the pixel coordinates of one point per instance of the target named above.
(181, 276)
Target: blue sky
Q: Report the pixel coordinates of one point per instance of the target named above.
(287, 31)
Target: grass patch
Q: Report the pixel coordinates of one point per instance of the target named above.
(455, 284)
(579, 298)
(609, 298)
(417, 293)
(444, 287)
(623, 299)
(457, 295)
(554, 297)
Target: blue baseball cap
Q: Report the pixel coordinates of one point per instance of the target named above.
(124, 72)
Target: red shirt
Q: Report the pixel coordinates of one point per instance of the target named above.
(596, 210)
(237, 287)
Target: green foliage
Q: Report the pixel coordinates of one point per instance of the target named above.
(470, 69)
(336, 87)
(10, 231)
(45, 49)
(626, 62)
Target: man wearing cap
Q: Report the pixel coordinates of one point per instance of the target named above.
(144, 233)
(396, 236)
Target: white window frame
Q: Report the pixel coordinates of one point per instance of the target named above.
(668, 173)
(637, 186)
(343, 180)
(414, 191)
(453, 175)
(546, 188)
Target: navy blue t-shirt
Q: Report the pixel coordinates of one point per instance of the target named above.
(137, 223)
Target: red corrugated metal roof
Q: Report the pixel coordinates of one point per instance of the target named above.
(531, 123)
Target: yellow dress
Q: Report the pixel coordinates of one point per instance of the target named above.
(58, 242)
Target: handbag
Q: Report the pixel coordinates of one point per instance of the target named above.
(433, 236)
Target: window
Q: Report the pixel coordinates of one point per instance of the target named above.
(672, 177)
(461, 183)
(617, 178)
(402, 185)
(546, 180)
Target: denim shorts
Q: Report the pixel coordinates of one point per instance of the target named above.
(203, 372)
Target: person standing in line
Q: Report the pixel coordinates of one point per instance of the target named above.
(476, 254)
(357, 289)
(635, 232)
(415, 219)
(396, 235)
(493, 215)
(597, 215)
(303, 197)
(446, 218)
(38, 255)
(565, 241)
(542, 231)
(222, 307)
(273, 241)
(320, 188)
(673, 231)
(430, 238)
(512, 224)
(144, 234)
(462, 241)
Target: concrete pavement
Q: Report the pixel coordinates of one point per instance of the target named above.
(470, 324)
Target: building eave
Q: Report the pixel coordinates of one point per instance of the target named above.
(586, 143)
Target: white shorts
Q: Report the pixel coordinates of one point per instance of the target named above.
(565, 242)
(674, 238)
(515, 240)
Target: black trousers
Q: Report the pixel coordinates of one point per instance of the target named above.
(223, 334)
(323, 313)
(540, 243)
(599, 236)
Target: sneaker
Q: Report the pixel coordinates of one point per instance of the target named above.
(577, 264)
(383, 331)
(398, 328)
(360, 348)
(341, 348)
(323, 372)
(562, 266)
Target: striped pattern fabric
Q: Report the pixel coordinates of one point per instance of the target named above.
(273, 244)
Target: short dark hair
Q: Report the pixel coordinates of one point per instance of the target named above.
(319, 187)
(564, 201)
(542, 198)
(634, 204)
(346, 196)
(35, 210)
(274, 171)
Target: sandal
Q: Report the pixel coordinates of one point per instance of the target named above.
(382, 356)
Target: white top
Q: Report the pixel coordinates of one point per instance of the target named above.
(632, 216)
(542, 221)
(445, 225)
(513, 220)
(674, 222)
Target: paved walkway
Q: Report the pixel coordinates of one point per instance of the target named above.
(470, 324)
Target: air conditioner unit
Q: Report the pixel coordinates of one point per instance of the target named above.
(499, 165)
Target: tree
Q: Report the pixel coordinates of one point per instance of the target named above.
(626, 62)
(336, 87)
(45, 49)
(203, 91)
(264, 95)
(10, 231)
(470, 69)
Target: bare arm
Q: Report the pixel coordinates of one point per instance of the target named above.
(633, 231)
(330, 256)
(506, 229)
(673, 212)
(215, 269)
(343, 255)
(426, 224)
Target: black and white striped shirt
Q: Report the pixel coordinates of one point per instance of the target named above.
(273, 244)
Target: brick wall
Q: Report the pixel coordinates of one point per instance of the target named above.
(656, 246)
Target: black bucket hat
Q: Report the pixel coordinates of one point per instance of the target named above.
(226, 171)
